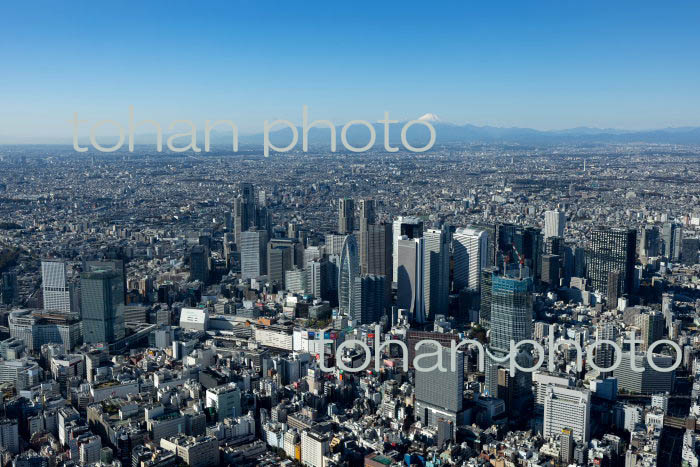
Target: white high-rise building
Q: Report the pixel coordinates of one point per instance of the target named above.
(409, 277)
(436, 275)
(314, 446)
(554, 223)
(566, 408)
(334, 244)
(471, 251)
(253, 254)
(411, 227)
(315, 278)
(54, 286)
(225, 399)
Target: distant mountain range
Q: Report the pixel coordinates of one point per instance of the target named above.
(452, 133)
(446, 133)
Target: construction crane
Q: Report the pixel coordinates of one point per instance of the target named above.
(521, 261)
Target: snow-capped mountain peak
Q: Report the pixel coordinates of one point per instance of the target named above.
(429, 117)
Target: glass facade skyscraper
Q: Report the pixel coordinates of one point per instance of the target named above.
(510, 319)
(511, 311)
(349, 270)
(102, 298)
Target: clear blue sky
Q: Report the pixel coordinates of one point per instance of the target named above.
(546, 65)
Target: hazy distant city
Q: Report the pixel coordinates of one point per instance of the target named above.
(167, 309)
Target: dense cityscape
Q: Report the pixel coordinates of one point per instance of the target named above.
(327, 309)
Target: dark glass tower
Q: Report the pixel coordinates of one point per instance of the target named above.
(199, 264)
(611, 250)
(368, 305)
(346, 215)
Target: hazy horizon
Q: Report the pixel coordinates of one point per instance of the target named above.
(546, 66)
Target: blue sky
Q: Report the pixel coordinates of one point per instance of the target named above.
(545, 65)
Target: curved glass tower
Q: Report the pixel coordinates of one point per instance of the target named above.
(349, 270)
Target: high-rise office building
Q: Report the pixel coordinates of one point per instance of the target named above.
(519, 243)
(312, 253)
(246, 213)
(295, 280)
(102, 303)
(346, 215)
(510, 319)
(567, 408)
(566, 442)
(332, 274)
(253, 254)
(376, 249)
(334, 244)
(199, 264)
(439, 393)
(551, 265)
(241, 219)
(314, 447)
(368, 305)
(579, 262)
(408, 226)
(377, 242)
(554, 223)
(651, 325)
(54, 286)
(568, 264)
(317, 278)
(553, 246)
(542, 380)
(9, 290)
(247, 191)
(368, 213)
(490, 230)
(436, 271)
(292, 230)
(116, 265)
(511, 311)
(649, 242)
(648, 381)
(605, 353)
(280, 258)
(348, 271)
(409, 278)
(613, 289)
(689, 251)
(505, 237)
(470, 250)
(529, 244)
(611, 250)
(225, 399)
(485, 305)
(672, 235)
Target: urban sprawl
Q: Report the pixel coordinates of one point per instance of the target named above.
(328, 310)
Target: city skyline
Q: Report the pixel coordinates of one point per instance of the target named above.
(343, 235)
